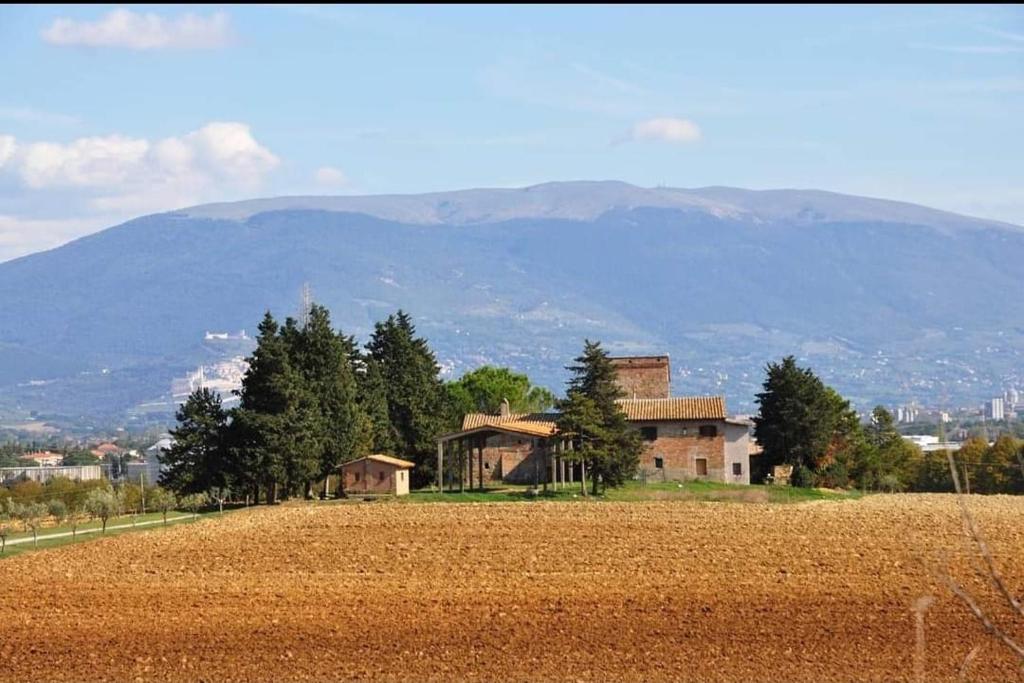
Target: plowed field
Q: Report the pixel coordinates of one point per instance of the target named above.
(515, 592)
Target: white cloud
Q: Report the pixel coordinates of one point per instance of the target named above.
(104, 180)
(328, 176)
(86, 162)
(127, 29)
(222, 153)
(666, 130)
(7, 148)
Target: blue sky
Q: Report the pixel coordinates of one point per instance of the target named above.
(107, 112)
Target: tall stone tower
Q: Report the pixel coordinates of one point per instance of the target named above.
(643, 376)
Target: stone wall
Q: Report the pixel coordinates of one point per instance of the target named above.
(369, 476)
(644, 376)
(680, 447)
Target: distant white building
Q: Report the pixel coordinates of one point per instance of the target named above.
(905, 414)
(928, 443)
(150, 469)
(995, 409)
(1012, 398)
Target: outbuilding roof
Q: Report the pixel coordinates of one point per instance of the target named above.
(385, 459)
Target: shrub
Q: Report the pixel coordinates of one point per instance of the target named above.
(802, 477)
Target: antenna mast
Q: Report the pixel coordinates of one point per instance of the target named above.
(305, 304)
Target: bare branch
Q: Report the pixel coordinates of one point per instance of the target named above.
(992, 572)
(921, 606)
(959, 591)
(968, 660)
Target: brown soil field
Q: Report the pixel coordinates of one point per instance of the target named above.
(541, 591)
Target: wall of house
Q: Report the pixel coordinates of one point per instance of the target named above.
(737, 452)
(680, 445)
(643, 377)
(401, 482)
(369, 476)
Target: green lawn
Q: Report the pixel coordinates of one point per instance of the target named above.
(636, 491)
(94, 524)
(15, 550)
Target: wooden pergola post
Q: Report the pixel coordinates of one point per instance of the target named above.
(480, 460)
(553, 458)
(462, 465)
(440, 466)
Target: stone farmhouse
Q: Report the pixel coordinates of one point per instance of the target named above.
(686, 437)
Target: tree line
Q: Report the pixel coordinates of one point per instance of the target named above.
(804, 423)
(312, 399)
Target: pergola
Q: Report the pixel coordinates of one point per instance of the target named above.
(554, 445)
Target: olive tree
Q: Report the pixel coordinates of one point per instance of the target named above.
(74, 517)
(131, 500)
(219, 495)
(103, 504)
(31, 515)
(194, 501)
(58, 510)
(5, 528)
(163, 500)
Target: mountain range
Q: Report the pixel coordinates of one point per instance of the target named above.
(888, 301)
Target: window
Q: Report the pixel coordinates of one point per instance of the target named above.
(357, 477)
(702, 467)
(659, 462)
(649, 433)
(487, 465)
(380, 476)
(737, 469)
(708, 430)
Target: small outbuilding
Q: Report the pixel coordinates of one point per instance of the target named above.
(377, 474)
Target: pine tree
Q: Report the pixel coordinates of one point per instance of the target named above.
(603, 437)
(380, 436)
(195, 460)
(274, 431)
(323, 358)
(789, 426)
(415, 394)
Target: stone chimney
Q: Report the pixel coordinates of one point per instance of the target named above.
(505, 411)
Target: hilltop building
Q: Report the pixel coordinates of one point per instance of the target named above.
(686, 437)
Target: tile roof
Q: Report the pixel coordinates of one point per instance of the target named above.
(534, 424)
(679, 408)
(636, 409)
(386, 459)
